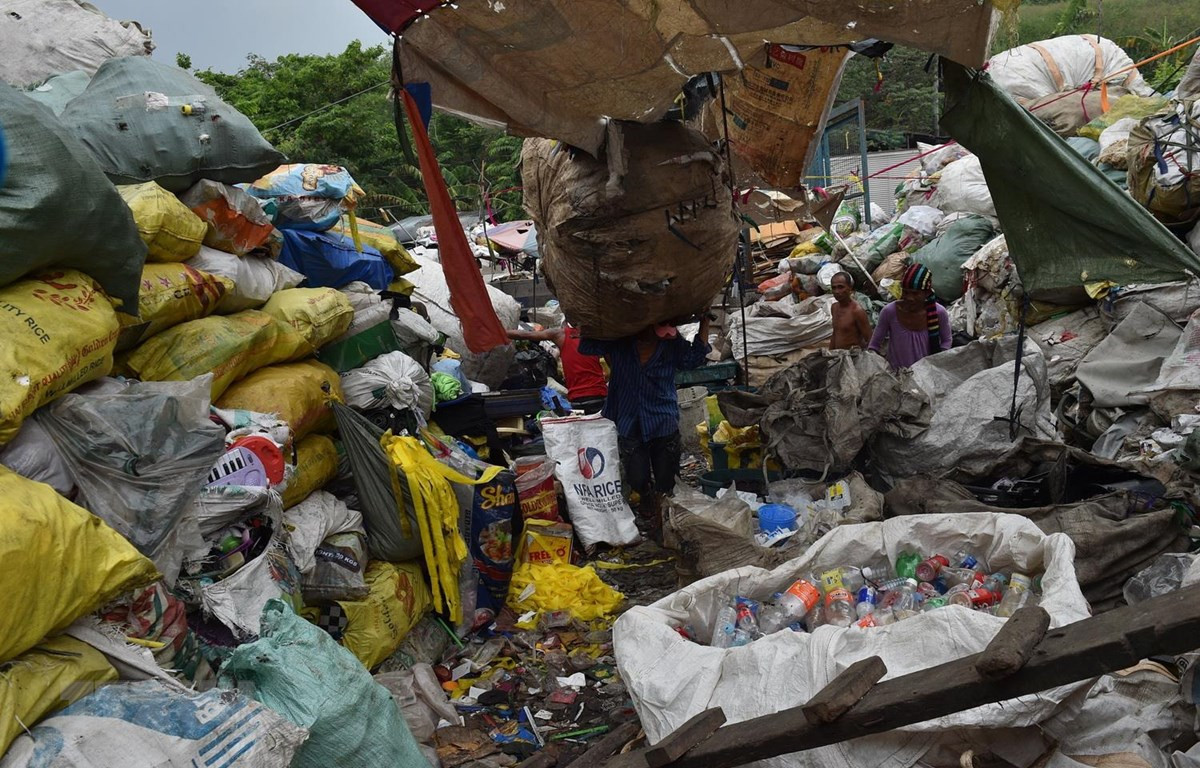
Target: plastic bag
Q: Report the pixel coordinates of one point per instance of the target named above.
(381, 239)
(149, 725)
(234, 221)
(56, 332)
(318, 314)
(535, 488)
(420, 699)
(393, 380)
(91, 563)
(298, 393)
(373, 628)
(298, 670)
(171, 294)
(587, 463)
(32, 454)
(316, 465)
(1164, 575)
(922, 219)
(255, 278)
(307, 195)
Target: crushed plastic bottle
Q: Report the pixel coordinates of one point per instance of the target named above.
(868, 596)
(724, 626)
(1018, 593)
(906, 602)
(839, 608)
(928, 569)
(906, 564)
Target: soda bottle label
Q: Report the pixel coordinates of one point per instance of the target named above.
(981, 596)
(969, 562)
(805, 593)
(867, 621)
(832, 580)
(837, 595)
(868, 595)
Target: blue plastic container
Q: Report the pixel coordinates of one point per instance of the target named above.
(773, 518)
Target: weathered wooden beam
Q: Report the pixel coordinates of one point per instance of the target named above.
(1014, 643)
(675, 744)
(1115, 640)
(546, 758)
(844, 691)
(605, 747)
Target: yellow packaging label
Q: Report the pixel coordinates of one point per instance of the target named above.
(545, 541)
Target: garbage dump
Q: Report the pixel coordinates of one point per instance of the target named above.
(262, 498)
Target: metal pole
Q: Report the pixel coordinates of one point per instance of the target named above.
(862, 153)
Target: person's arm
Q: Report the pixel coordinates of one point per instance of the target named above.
(595, 347)
(548, 334)
(947, 336)
(693, 354)
(863, 324)
(880, 335)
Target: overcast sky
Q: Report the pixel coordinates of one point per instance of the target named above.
(219, 34)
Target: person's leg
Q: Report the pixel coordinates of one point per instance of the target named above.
(635, 465)
(590, 405)
(665, 454)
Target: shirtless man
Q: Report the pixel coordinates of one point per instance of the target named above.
(851, 328)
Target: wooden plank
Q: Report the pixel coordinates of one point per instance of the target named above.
(605, 747)
(675, 744)
(1168, 624)
(547, 758)
(844, 691)
(1014, 643)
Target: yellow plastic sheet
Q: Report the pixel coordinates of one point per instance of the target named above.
(560, 587)
(437, 514)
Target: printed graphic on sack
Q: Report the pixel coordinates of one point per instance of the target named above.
(584, 450)
(494, 510)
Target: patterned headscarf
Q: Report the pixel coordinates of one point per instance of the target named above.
(918, 278)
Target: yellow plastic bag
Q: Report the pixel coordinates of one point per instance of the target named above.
(437, 514)
(378, 624)
(169, 229)
(562, 587)
(295, 392)
(57, 331)
(60, 562)
(804, 249)
(230, 346)
(381, 239)
(45, 679)
(316, 465)
(320, 315)
(171, 294)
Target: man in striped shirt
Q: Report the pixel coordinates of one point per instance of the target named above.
(642, 402)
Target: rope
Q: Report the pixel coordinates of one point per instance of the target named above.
(327, 106)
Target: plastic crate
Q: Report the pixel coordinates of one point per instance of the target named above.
(746, 479)
(712, 373)
(514, 402)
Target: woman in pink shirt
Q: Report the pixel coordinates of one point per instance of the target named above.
(914, 326)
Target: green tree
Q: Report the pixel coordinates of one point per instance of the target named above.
(183, 61)
(905, 101)
(337, 109)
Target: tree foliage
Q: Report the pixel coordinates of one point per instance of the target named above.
(337, 110)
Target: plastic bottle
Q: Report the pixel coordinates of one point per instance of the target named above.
(974, 598)
(1016, 596)
(933, 603)
(845, 577)
(928, 569)
(839, 608)
(874, 574)
(815, 617)
(964, 559)
(956, 576)
(799, 599)
(892, 584)
(997, 583)
(772, 617)
(906, 564)
(868, 596)
(724, 626)
(747, 621)
(906, 603)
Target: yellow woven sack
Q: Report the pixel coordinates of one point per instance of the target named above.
(378, 624)
(60, 562)
(171, 294)
(45, 679)
(381, 239)
(295, 392)
(320, 315)
(316, 465)
(57, 331)
(230, 346)
(169, 229)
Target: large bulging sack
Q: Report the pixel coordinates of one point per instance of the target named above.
(171, 294)
(298, 393)
(644, 236)
(1036, 70)
(146, 121)
(41, 38)
(56, 207)
(1169, 187)
(56, 333)
(57, 92)
(170, 231)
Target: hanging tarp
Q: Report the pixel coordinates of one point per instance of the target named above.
(555, 68)
(1066, 224)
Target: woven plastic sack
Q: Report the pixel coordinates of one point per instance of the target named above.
(140, 455)
(298, 393)
(147, 121)
(92, 563)
(229, 347)
(255, 278)
(170, 231)
(375, 626)
(1164, 176)
(298, 670)
(57, 331)
(316, 465)
(46, 678)
(307, 195)
(327, 259)
(56, 207)
(149, 725)
(234, 220)
(171, 294)
(584, 449)
(318, 314)
(58, 91)
(1128, 106)
(393, 380)
(312, 521)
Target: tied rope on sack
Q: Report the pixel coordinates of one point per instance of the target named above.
(437, 514)
(918, 278)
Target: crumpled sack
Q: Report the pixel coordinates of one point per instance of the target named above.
(393, 380)
(561, 587)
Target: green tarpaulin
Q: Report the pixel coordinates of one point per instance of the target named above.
(1065, 223)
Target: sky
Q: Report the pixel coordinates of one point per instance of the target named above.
(219, 34)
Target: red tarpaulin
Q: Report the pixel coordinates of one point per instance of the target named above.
(468, 295)
(394, 15)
